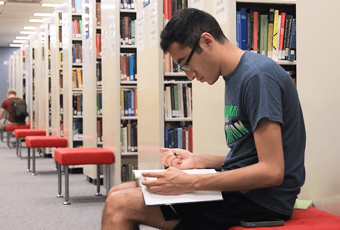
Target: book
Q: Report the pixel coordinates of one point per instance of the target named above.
(255, 30)
(282, 31)
(263, 34)
(292, 45)
(270, 33)
(243, 33)
(275, 35)
(302, 204)
(156, 199)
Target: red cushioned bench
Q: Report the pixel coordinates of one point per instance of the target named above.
(34, 142)
(80, 156)
(11, 128)
(310, 219)
(22, 133)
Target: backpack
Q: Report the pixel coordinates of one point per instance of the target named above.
(18, 110)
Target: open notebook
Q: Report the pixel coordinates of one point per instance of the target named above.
(156, 199)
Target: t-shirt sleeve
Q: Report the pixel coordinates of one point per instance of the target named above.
(263, 99)
(3, 105)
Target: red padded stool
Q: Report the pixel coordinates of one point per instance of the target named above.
(80, 156)
(34, 142)
(11, 128)
(22, 133)
(310, 219)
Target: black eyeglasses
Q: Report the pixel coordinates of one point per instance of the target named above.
(186, 66)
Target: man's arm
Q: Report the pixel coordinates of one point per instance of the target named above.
(269, 171)
(2, 111)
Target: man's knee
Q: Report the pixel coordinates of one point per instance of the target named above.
(126, 185)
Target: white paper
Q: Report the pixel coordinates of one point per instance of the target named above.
(156, 199)
(198, 4)
(153, 25)
(221, 11)
(140, 31)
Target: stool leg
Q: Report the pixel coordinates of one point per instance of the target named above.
(19, 148)
(66, 185)
(28, 159)
(33, 163)
(2, 136)
(98, 181)
(8, 137)
(59, 180)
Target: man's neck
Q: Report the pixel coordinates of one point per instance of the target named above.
(231, 56)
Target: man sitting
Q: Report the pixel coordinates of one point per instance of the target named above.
(6, 105)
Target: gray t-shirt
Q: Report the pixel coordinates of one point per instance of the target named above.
(260, 88)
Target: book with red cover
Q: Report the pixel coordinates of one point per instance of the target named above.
(255, 30)
(282, 31)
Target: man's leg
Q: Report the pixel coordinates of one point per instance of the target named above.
(125, 209)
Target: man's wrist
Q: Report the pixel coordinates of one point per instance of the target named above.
(198, 162)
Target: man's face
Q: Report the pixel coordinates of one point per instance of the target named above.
(202, 66)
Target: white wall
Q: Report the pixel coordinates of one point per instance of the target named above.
(318, 81)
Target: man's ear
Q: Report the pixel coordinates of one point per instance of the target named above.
(207, 39)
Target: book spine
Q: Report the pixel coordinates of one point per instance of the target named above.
(275, 34)
(270, 33)
(255, 29)
(263, 38)
(243, 29)
(292, 46)
(282, 33)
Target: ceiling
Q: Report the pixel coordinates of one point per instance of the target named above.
(14, 15)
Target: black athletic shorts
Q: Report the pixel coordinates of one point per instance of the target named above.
(215, 215)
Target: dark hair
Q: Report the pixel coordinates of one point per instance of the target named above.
(186, 27)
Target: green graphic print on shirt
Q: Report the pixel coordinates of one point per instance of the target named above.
(233, 131)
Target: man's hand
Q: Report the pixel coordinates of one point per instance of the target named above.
(183, 159)
(169, 182)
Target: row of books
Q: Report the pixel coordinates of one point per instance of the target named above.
(76, 28)
(99, 103)
(127, 4)
(99, 73)
(99, 130)
(77, 53)
(78, 128)
(128, 66)
(127, 172)
(77, 105)
(128, 136)
(171, 6)
(270, 33)
(98, 13)
(128, 102)
(98, 45)
(169, 65)
(60, 56)
(178, 100)
(76, 6)
(127, 31)
(77, 79)
(178, 137)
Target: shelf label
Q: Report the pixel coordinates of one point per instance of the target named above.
(112, 38)
(198, 4)
(60, 9)
(220, 11)
(146, 3)
(140, 31)
(153, 25)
